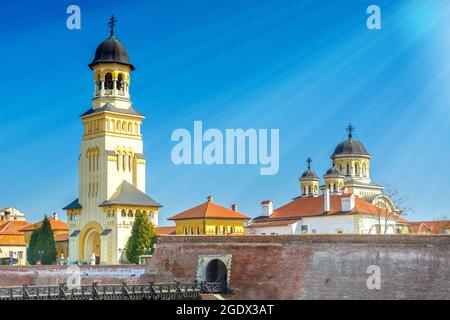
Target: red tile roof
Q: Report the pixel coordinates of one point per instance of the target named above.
(164, 231)
(13, 227)
(10, 233)
(54, 224)
(209, 210)
(314, 206)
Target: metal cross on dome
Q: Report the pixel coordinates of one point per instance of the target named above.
(350, 130)
(112, 24)
(308, 161)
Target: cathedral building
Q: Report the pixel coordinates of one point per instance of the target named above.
(350, 202)
(111, 164)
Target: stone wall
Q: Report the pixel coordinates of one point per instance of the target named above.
(53, 275)
(315, 266)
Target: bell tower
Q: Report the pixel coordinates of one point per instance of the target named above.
(111, 165)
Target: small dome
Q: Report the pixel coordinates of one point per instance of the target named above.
(309, 174)
(111, 50)
(333, 172)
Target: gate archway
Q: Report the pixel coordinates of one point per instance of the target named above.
(216, 271)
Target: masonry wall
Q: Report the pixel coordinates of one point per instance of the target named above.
(316, 267)
(53, 275)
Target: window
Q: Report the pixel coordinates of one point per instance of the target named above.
(119, 84)
(348, 169)
(185, 230)
(304, 229)
(339, 231)
(192, 231)
(224, 230)
(356, 168)
(198, 230)
(123, 212)
(108, 81)
(130, 213)
(217, 230)
(231, 230)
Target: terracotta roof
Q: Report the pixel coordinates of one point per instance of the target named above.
(12, 227)
(62, 237)
(10, 233)
(164, 231)
(314, 206)
(54, 224)
(209, 210)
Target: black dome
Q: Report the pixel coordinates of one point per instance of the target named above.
(333, 172)
(350, 147)
(111, 50)
(309, 174)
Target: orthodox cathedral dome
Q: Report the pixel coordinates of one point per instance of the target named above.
(350, 146)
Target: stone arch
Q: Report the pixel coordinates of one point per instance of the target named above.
(216, 271)
(90, 241)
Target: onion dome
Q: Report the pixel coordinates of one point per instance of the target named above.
(111, 50)
(309, 173)
(350, 146)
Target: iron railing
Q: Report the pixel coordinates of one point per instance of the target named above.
(95, 291)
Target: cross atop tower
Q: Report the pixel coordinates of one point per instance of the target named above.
(350, 130)
(308, 161)
(112, 24)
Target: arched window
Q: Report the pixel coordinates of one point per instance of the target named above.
(185, 231)
(99, 83)
(192, 231)
(217, 230)
(124, 161)
(130, 213)
(108, 81)
(356, 168)
(224, 230)
(231, 230)
(118, 125)
(309, 190)
(123, 213)
(348, 169)
(198, 230)
(119, 84)
(124, 126)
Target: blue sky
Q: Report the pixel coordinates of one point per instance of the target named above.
(305, 67)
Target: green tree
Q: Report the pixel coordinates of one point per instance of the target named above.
(32, 255)
(142, 238)
(42, 245)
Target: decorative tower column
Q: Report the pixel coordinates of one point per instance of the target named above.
(111, 164)
(309, 182)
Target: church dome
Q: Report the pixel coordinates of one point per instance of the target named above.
(350, 146)
(309, 174)
(333, 172)
(111, 50)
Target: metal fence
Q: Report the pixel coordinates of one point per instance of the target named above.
(150, 291)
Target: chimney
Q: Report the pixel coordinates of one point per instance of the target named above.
(55, 215)
(348, 204)
(210, 199)
(266, 207)
(234, 207)
(326, 200)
